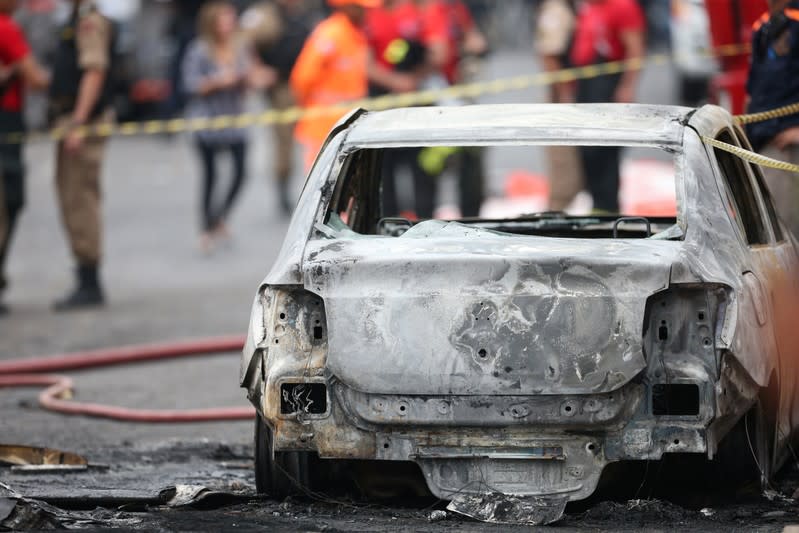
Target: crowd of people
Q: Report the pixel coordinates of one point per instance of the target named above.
(362, 47)
(279, 48)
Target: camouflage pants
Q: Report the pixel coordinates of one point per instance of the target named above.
(281, 98)
(79, 196)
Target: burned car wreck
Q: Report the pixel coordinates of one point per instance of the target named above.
(522, 356)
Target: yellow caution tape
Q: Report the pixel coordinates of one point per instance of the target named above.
(294, 114)
(783, 111)
(466, 90)
(752, 157)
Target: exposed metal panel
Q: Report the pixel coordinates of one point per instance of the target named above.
(486, 314)
(611, 124)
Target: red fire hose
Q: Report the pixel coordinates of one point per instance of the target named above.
(35, 372)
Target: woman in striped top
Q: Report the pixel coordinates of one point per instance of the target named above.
(216, 74)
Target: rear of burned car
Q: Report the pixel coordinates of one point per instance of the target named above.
(523, 379)
(518, 365)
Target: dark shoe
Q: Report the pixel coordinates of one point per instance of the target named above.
(87, 293)
(3, 309)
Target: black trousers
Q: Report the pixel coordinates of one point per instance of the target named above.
(12, 181)
(213, 211)
(471, 181)
(424, 186)
(601, 163)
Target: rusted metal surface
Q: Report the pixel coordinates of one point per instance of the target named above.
(521, 364)
(30, 455)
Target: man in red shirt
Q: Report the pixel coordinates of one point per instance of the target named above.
(463, 35)
(606, 30)
(407, 46)
(17, 69)
(404, 39)
(464, 39)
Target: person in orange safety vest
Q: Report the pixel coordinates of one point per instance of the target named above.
(333, 67)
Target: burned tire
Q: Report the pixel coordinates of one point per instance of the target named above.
(279, 474)
(745, 455)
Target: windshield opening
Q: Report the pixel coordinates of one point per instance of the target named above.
(512, 190)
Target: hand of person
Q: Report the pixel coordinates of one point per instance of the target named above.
(262, 77)
(565, 93)
(73, 141)
(625, 94)
(404, 83)
(787, 138)
(228, 79)
(475, 43)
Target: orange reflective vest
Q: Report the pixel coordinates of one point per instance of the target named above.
(331, 69)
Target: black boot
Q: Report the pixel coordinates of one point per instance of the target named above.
(87, 293)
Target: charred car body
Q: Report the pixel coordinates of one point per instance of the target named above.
(522, 356)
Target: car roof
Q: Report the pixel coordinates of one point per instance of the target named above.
(608, 124)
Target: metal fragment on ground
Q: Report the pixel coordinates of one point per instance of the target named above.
(49, 469)
(507, 509)
(437, 516)
(198, 496)
(14, 454)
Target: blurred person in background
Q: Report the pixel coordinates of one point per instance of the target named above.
(606, 30)
(774, 82)
(406, 43)
(553, 37)
(466, 41)
(335, 67)
(81, 94)
(216, 74)
(657, 14)
(182, 30)
(18, 70)
(278, 30)
(465, 44)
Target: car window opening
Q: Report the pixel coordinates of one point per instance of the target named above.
(741, 199)
(417, 192)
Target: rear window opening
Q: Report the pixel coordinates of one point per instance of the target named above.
(509, 190)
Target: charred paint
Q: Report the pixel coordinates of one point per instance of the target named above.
(480, 354)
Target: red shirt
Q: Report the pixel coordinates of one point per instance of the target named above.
(600, 25)
(13, 48)
(457, 20)
(403, 21)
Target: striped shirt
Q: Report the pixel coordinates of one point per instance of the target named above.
(198, 65)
